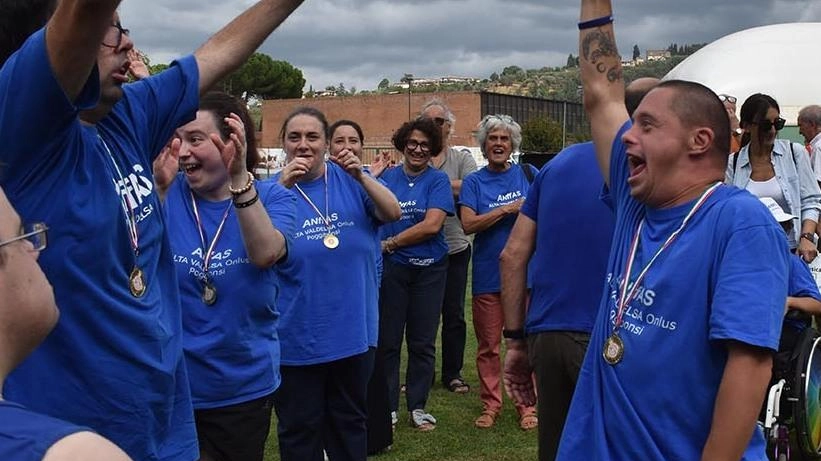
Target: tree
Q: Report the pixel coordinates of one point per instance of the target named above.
(157, 68)
(636, 52)
(265, 78)
(571, 61)
(384, 84)
(541, 134)
(494, 77)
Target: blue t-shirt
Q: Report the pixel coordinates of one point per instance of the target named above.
(483, 191)
(231, 347)
(802, 285)
(114, 362)
(723, 278)
(431, 189)
(574, 229)
(328, 297)
(26, 435)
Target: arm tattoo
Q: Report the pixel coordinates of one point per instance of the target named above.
(598, 45)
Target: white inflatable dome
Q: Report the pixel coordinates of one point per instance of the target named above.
(780, 60)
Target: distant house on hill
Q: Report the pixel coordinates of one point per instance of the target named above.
(658, 55)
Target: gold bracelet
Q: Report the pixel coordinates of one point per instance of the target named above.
(244, 188)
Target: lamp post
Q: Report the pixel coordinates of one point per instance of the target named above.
(408, 78)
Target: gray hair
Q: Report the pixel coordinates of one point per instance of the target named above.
(495, 122)
(436, 102)
(811, 114)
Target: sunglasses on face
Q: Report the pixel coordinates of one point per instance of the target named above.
(766, 125)
(727, 97)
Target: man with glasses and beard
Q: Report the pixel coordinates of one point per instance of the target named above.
(78, 150)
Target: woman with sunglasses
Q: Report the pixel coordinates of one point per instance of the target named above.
(777, 168)
(415, 266)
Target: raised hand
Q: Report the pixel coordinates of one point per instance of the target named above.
(380, 163)
(294, 170)
(166, 166)
(349, 162)
(235, 151)
(137, 69)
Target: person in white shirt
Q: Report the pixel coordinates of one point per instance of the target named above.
(809, 125)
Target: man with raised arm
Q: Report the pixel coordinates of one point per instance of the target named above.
(78, 150)
(679, 356)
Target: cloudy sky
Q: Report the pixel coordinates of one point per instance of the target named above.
(360, 42)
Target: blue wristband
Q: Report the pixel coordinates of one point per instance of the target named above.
(596, 22)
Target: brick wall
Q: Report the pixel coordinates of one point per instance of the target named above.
(379, 115)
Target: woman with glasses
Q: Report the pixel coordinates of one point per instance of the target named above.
(415, 267)
(777, 168)
(227, 234)
(489, 203)
(329, 292)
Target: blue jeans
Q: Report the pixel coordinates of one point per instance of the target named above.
(410, 300)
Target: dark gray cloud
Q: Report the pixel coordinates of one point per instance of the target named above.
(359, 42)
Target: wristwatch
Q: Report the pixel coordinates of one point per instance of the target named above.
(513, 334)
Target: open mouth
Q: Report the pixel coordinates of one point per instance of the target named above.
(190, 168)
(636, 165)
(121, 74)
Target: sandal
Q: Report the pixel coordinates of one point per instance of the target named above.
(458, 386)
(486, 420)
(528, 421)
(421, 421)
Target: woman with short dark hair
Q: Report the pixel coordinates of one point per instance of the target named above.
(415, 265)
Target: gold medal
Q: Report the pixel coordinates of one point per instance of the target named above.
(136, 282)
(209, 294)
(613, 349)
(330, 241)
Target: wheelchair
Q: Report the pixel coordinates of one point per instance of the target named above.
(791, 417)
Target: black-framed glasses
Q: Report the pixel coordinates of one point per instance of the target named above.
(413, 144)
(114, 37)
(35, 233)
(766, 125)
(727, 97)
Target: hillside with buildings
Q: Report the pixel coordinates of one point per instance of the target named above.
(558, 83)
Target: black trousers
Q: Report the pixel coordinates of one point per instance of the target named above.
(453, 316)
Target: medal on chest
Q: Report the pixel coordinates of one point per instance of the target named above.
(330, 240)
(209, 290)
(613, 350)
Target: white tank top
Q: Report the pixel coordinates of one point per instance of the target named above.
(769, 188)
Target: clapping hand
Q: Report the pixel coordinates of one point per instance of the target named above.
(233, 152)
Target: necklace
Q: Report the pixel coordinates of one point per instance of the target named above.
(136, 280)
(613, 351)
(209, 291)
(330, 240)
(412, 179)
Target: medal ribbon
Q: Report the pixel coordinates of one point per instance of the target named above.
(130, 219)
(627, 297)
(326, 217)
(207, 257)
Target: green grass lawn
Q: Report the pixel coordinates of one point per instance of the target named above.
(455, 438)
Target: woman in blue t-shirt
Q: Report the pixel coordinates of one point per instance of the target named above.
(489, 202)
(227, 233)
(415, 266)
(328, 301)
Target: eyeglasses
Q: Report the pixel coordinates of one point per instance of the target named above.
(114, 37)
(727, 97)
(34, 233)
(766, 125)
(412, 144)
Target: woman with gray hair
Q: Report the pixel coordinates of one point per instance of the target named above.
(489, 202)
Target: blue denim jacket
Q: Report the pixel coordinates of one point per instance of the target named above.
(794, 175)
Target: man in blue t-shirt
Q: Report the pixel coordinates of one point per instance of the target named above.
(681, 350)
(78, 149)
